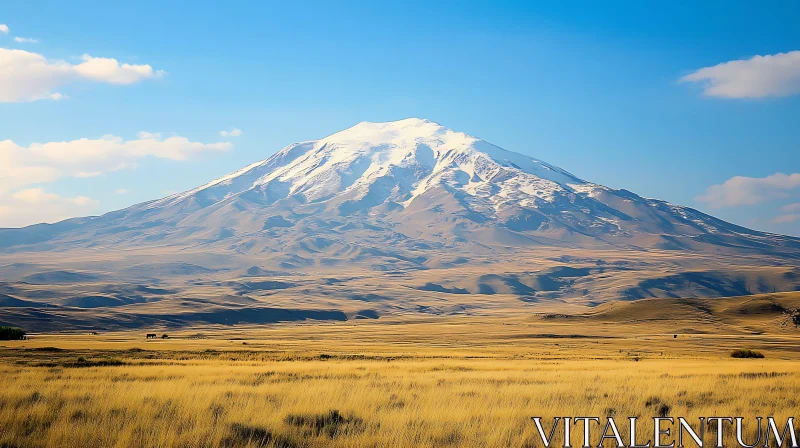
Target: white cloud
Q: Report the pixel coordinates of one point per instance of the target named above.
(122, 191)
(3, 28)
(46, 162)
(791, 207)
(785, 219)
(757, 77)
(232, 133)
(791, 214)
(26, 40)
(110, 71)
(35, 205)
(742, 190)
(26, 76)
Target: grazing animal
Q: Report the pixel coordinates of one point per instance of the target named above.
(151, 335)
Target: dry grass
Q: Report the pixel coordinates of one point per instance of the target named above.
(454, 383)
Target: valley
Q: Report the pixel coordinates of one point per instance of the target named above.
(93, 291)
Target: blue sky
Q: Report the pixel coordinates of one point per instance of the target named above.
(593, 87)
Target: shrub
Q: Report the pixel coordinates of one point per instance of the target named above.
(248, 435)
(331, 424)
(11, 334)
(744, 353)
(652, 401)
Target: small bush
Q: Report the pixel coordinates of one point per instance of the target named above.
(652, 401)
(661, 408)
(248, 435)
(744, 353)
(331, 424)
(11, 334)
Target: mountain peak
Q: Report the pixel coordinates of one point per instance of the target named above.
(398, 132)
(411, 121)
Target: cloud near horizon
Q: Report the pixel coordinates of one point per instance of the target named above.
(785, 219)
(35, 205)
(791, 207)
(27, 76)
(46, 162)
(22, 167)
(741, 190)
(775, 75)
(791, 214)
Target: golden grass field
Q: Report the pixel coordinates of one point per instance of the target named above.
(460, 381)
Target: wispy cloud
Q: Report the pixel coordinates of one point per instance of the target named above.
(742, 190)
(758, 77)
(35, 205)
(122, 191)
(46, 162)
(26, 40)
(791, 214)
(235, 132)
(791, 207)
(3, 28)
(26, 76)
(785, 219)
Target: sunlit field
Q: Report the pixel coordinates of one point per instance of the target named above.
(458, 382)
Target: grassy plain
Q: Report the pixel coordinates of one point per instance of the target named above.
(460, 381)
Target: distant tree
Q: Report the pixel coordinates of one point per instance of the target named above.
(11, 334)
(744, 353)
(793, 316)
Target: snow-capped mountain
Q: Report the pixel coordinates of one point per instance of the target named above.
(400, 188)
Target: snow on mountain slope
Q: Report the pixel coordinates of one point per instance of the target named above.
(417, 154)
